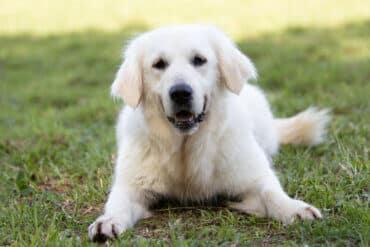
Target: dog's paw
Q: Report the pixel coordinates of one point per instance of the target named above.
(105, 228)
(308, 213)
(301, 210)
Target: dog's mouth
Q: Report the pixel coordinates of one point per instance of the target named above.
(185, 120)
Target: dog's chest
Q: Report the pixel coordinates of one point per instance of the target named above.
(194, 173)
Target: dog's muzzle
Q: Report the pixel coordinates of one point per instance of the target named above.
(184, 119)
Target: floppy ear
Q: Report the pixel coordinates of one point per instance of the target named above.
(128, 82)
(235, 68)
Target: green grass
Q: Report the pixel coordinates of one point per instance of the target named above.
(57, 121)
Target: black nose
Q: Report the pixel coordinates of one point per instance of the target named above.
(181, 93)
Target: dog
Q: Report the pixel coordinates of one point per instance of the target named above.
(193, 128)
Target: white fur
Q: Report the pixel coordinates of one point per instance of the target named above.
(229, 153)
(306, 128)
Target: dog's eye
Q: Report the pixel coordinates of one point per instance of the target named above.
(160, 64)
(198, 60)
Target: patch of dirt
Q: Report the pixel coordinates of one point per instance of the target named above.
(55, 185)
(13, 145)
(89, 210)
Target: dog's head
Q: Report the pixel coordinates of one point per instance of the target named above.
(180, 68)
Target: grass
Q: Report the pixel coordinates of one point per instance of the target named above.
(57, 123)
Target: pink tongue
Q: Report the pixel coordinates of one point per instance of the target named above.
(184, 116)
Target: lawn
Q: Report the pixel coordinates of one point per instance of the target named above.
(58, 58)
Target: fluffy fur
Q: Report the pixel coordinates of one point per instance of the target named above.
(229, 153)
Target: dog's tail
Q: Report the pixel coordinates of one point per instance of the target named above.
(305, 128)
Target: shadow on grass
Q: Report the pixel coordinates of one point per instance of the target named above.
(55, 92)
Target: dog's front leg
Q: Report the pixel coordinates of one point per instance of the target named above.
(264, 196)
(125, 206)
(269, 200)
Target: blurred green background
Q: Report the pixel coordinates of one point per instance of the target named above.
(58, 58)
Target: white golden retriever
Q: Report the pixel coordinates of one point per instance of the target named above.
(192, 128)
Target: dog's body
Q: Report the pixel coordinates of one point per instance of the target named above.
(201, 139)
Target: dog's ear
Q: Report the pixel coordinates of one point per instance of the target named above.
(128, 83)
(235, 68)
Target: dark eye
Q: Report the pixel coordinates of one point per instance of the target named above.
(198, 60)
(160, 64)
